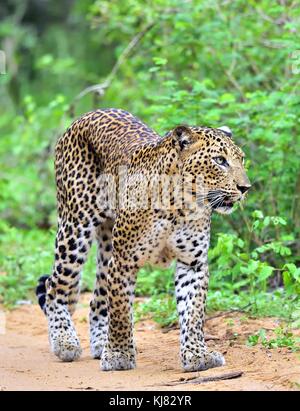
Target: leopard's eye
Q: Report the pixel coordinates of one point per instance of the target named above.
(221, 161)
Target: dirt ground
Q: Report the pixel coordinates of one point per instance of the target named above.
(27, 364)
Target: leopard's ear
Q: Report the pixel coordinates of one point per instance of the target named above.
(226, 130)
(183, 135)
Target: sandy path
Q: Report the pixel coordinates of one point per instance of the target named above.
(27, 364)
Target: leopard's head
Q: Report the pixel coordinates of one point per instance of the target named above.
(215, 163)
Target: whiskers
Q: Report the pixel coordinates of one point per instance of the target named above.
(214, 199)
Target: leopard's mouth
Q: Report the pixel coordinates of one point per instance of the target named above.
(221, 202)
(227, 203)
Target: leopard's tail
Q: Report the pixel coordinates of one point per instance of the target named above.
(41, 292)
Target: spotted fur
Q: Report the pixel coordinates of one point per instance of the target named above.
(101, 143)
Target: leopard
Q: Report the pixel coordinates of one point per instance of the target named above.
(113, 174)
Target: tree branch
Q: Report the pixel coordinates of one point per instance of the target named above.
(101, 88)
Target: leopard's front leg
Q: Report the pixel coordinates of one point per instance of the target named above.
(191, 284)
(119, 349)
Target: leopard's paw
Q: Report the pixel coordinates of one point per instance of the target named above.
(201, 361)
(65, 348)
(97, 349)
(117, 360)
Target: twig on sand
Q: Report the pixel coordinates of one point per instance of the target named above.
(202, 380)
(209, 337)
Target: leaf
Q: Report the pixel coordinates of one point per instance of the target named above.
(265, 272)
(258, 214)
(160, 61)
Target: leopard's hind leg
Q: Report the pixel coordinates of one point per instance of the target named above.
(77, 168)
(61, 289)
(98, 305)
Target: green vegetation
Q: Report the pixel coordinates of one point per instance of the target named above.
(169, 62)
(283, 338)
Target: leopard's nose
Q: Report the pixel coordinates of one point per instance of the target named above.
(243, 189)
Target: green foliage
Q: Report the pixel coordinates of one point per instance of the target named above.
(159, 284)
(25, 256)
(199, 62)
(161, 308)
(283, 338)
(155, 281)
(238, 267)
(26, 151)
(291, 278)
